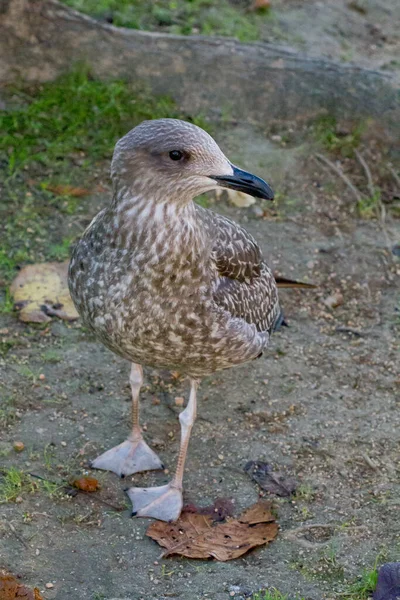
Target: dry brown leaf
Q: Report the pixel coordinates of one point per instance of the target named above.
(10, 589)
(260, 5)
(269, 480)
(41, 291)
(219, 511)
(258, 513)
(68, 190)
(194, 535)
(86, 484)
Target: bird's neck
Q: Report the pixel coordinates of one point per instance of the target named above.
(144, 221)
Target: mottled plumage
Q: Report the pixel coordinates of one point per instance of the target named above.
(163, 282)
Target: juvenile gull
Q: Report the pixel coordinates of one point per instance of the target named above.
(165, 283)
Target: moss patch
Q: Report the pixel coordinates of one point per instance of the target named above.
(183, 17)
(56, 143)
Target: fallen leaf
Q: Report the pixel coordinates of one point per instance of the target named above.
(267, 479)
(10, 589)
(194, 535)
(219, 511)
(41, 291)
(18, 447)
(68, 190)
(260, 5)
(86, 484)
(388, 586)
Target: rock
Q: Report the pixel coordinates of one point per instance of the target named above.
(267, 82)
(334, 300)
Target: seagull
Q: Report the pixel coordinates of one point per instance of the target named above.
(165, 283)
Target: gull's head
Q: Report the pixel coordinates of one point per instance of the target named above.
(169, 159)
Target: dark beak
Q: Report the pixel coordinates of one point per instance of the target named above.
(246, 183)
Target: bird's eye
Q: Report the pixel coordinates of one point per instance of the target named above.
(176, 155)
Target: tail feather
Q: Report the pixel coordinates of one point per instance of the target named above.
(283, 282)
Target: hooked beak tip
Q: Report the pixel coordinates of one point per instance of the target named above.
(245, 182)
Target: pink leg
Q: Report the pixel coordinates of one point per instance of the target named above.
(165, 502)
(133, 455)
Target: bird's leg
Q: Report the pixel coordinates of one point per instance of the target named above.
(133, 455)
(165, 502)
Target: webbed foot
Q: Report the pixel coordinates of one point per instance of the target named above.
(163, 502)
(128, 458)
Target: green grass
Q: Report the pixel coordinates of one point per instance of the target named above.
(272, 594)
(75, 119)
(7, 412)
(363, 589)
(327, 133)
(56, 137)
(185, 17)
(13, 483)
(368, 207)
(305, 492)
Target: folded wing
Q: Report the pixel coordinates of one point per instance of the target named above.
(246, 286)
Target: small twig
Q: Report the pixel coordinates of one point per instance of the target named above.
(395, 176)
(104, 502)
(351, 331)
(371, 463)
(45, 479)
(373, 192)
(339, 171)
(370, 183)
(65, 485)
(19, 538)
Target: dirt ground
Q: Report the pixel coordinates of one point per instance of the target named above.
(360, 31)
(322, 405)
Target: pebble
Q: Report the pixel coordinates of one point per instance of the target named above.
(334, 300)
(63, 444)
(18, 446)
(49, 586)
(42, 376)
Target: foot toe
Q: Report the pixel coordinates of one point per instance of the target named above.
(163, 503)
(128, 458)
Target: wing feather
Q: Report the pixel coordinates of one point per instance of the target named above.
(246, 286)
